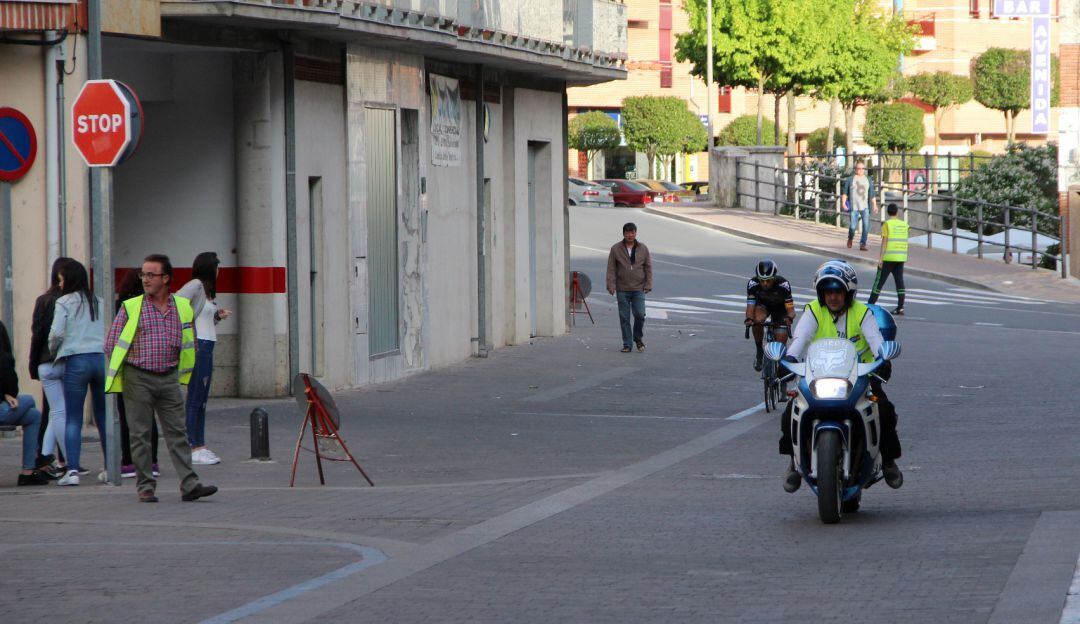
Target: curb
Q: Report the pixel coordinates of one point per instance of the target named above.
(944, 277)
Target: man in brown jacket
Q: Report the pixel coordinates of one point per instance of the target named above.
(629, 277)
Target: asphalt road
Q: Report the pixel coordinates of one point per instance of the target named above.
(563, 481)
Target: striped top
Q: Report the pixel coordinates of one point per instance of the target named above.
(156, 346)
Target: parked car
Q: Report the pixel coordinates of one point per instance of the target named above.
(696, 188)
(585, 193)
(628, 192)
(666, 191)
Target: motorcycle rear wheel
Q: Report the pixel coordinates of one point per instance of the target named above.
(829, 481)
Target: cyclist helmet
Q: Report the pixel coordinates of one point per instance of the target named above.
(767, 269)
(836, 275)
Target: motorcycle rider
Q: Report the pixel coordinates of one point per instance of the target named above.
(837, 314)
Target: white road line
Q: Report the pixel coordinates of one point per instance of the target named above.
(981, 324)
(973, 298)
(1071, 613)
(746, 412)
(989, 293)
(682, 307)
(710, 301)
(316, 603)
(685, 266)
(620, 416)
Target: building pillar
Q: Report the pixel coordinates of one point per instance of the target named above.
(263, 348)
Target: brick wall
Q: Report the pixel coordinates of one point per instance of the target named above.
(1070, 75)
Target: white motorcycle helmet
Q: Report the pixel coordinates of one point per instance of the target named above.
(836, 275)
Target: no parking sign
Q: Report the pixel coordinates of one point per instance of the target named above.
(18, 145)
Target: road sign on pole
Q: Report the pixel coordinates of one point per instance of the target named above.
(18, 145)
(106, 122)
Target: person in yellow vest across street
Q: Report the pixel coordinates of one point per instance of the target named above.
(894, 252)
(151, 351)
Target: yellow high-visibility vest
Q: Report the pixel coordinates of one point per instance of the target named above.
(114, 377)
(896, 244)
(826, 328)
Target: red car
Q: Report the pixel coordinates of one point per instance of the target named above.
(628, 192)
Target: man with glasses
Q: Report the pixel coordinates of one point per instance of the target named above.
(859, 191)
(151, 351)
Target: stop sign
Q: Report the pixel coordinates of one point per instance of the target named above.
(106, 122)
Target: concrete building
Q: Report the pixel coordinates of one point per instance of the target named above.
(952, 34)
(381, 179)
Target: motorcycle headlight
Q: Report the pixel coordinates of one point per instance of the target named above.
(829, 388)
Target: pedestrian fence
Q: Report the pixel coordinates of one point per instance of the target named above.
(918, 172)
(993, 228)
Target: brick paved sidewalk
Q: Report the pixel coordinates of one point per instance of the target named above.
(957, 269)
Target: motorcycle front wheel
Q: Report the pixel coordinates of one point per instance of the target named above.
(829, 482)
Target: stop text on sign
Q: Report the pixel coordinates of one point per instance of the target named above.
(100, 123)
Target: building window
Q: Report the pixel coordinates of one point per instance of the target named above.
(973, 8)
(665, 44)
(723, 102)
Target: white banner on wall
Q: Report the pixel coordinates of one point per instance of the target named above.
(445, 94)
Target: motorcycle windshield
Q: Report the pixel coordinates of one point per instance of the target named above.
(832, 357)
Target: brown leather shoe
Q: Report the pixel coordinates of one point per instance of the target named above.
(863, 248)
(849, 244)
(147, 496)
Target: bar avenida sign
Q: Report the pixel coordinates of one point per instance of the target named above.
(1039, 12)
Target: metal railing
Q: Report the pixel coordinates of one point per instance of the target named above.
(918, 172)
(816, 196)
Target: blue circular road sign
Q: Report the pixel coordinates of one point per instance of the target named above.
(18, 145)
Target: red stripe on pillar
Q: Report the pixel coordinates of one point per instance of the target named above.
(231, 280)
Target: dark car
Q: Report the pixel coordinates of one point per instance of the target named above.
(696, 188)
(628, 192)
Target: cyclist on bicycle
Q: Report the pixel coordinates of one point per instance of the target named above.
(768, 296)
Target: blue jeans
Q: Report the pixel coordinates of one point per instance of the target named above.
(198, 392)
(631, 301)
(856, 215)
(28, 417)
(83, 371)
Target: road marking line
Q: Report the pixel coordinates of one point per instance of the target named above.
(626, 416)
(1040, 580)
(1071, 613)
(710, 301)
(746, 412)
(981, 324)
(311, 605)
(655, 260)
(563, 390)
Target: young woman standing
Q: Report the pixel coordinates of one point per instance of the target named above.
(78, 340)
(202, 292)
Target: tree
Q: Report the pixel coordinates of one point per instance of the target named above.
(817, 141)
(1025, 177)
(742, 132)
(660, 126)
(941, 91)
(759, 44)
(1002, 78)
(692, 138)
(896, 127)
(864, 60)
(593, 131)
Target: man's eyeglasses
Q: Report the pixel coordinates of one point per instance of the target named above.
(149, 275)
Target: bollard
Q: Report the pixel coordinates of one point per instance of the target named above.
(260, 434)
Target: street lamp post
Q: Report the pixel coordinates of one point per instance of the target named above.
(708, 79)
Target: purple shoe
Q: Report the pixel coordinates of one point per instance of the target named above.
(127, 471)
(154, 469)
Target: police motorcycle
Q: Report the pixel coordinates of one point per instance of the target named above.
(836, 429)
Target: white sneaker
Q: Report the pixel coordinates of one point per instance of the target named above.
(203, 457)
(214, 459)
(71, 478)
